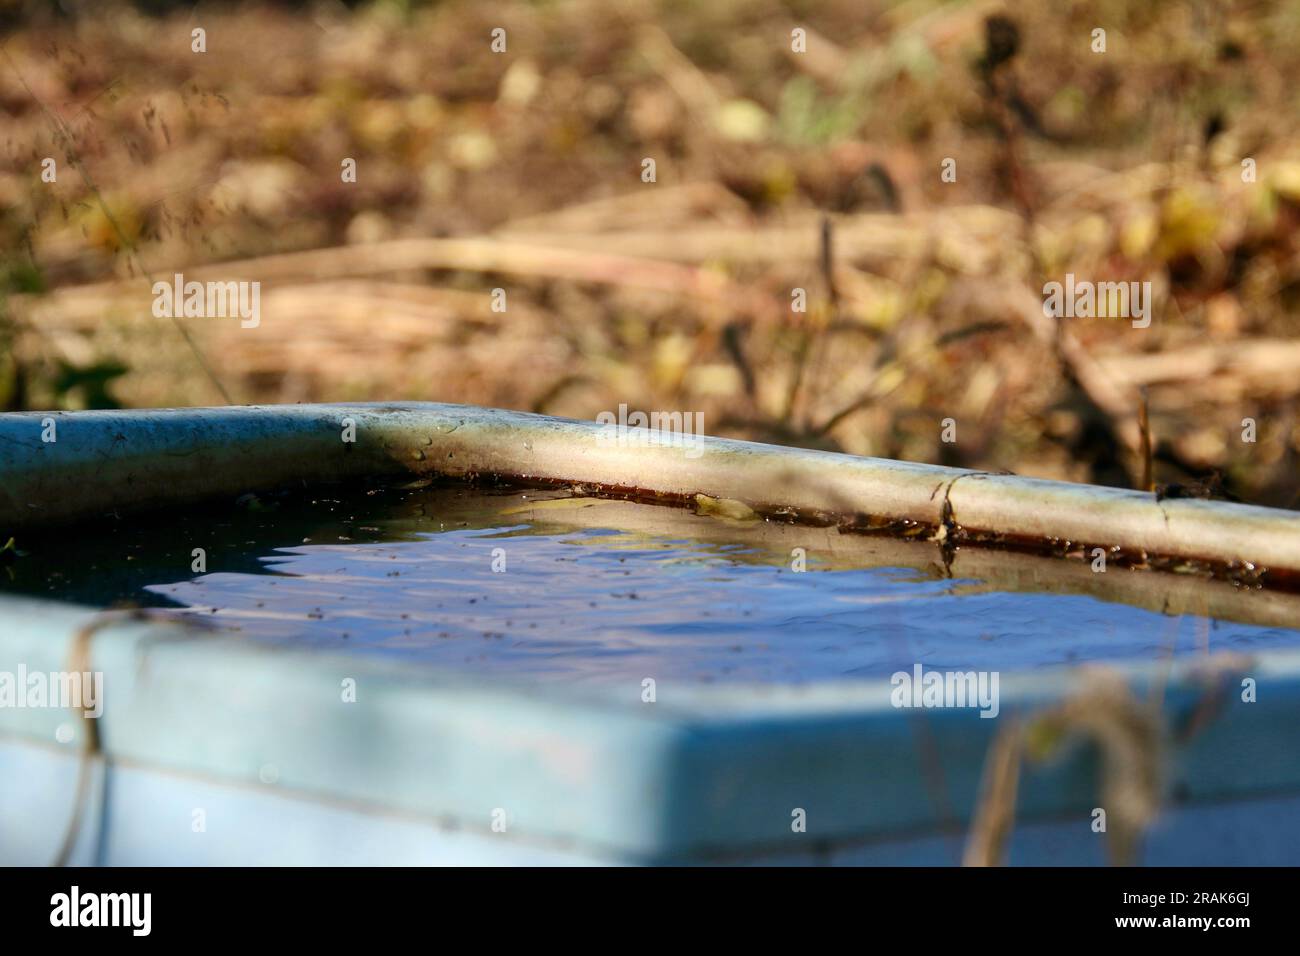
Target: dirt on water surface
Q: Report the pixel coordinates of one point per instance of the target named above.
(546, 585)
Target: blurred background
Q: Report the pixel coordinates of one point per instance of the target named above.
(775, 171)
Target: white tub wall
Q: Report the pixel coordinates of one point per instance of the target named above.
(147, 819)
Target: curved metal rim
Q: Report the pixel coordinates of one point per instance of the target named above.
(119, 461)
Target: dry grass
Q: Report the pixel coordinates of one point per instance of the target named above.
(522, 171)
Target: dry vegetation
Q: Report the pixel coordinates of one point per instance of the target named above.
(775, 170)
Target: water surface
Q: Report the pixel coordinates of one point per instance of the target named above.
(553, 587)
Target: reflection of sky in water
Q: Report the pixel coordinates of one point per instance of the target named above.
(596, 605)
